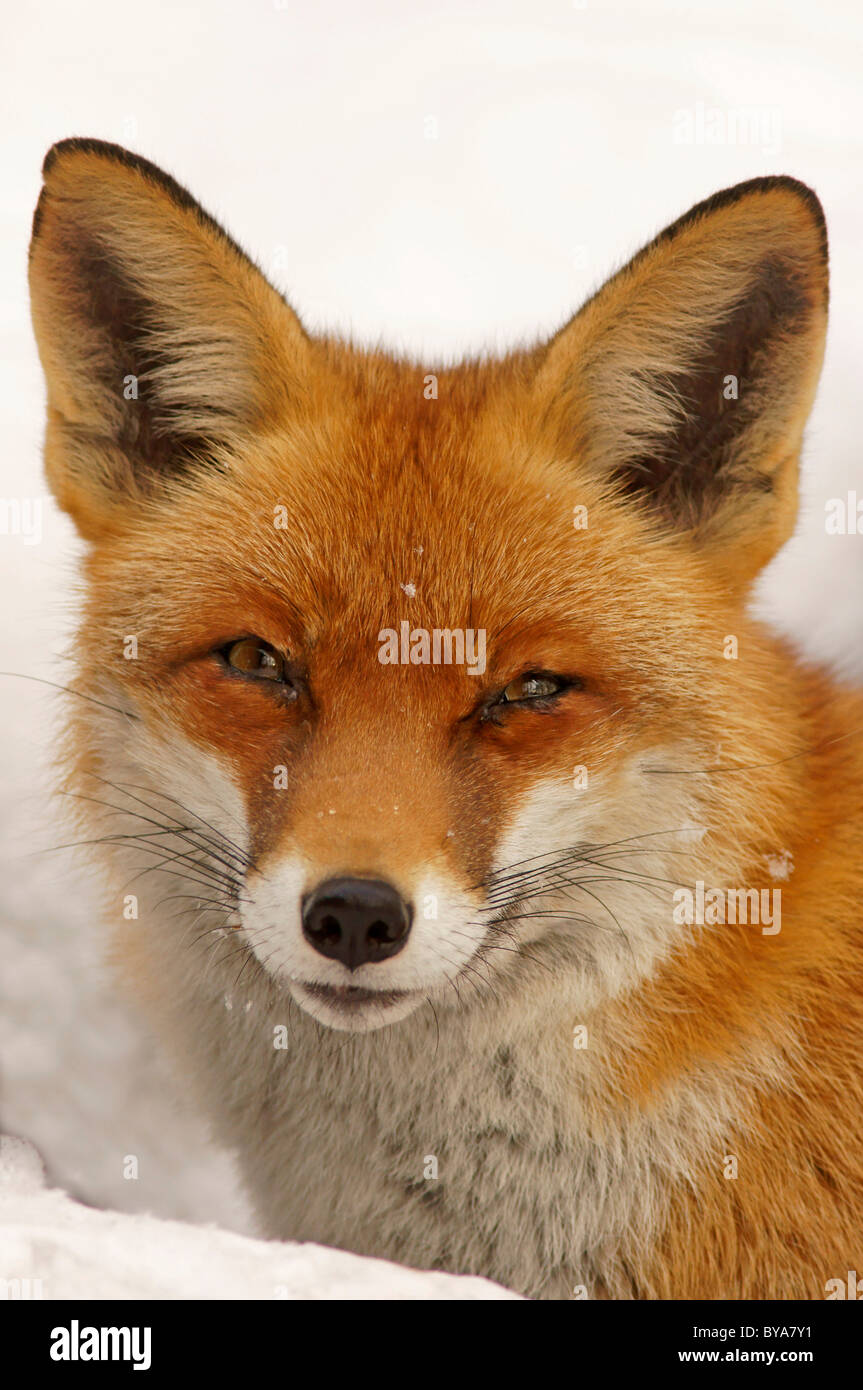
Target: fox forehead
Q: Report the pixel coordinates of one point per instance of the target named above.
(438, 513)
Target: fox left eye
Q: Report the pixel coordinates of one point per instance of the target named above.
(530, 687)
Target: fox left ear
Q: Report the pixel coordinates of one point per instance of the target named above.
(163, 346)
(687, 380)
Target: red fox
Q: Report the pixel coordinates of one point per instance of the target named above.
(494, 875)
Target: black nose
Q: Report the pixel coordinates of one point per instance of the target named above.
(356, 920)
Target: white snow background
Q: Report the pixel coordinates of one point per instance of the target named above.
(442, 178)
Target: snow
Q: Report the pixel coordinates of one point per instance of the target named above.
(83, 1253)
(308, 130)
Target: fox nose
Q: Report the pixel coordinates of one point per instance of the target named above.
(356, 920)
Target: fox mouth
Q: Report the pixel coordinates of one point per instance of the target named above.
(352, 1009)
(351, 996)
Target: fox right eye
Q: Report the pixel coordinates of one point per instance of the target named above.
(251, 656)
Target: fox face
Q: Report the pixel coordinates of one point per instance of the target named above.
(400, 682)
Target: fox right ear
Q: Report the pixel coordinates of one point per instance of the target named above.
(684, 385)
(162, 344)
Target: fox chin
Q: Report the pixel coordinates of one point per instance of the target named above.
(441, 780)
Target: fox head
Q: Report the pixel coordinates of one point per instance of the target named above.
(405, 677)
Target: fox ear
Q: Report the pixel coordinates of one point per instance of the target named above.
(162, 345)
(685, 383)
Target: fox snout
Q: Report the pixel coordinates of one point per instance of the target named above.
(357, 921)
(360, 945)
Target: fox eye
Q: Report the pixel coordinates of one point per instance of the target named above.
(253, 657)
(531, 687)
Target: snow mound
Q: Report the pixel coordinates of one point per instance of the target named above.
(58, 1248)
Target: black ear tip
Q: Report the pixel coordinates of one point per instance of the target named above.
(808, 196)
(116, 154)
(81, 144)
(74, 144)
(152, 176)
(769, 183)
(751, 189)
(802, 191)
